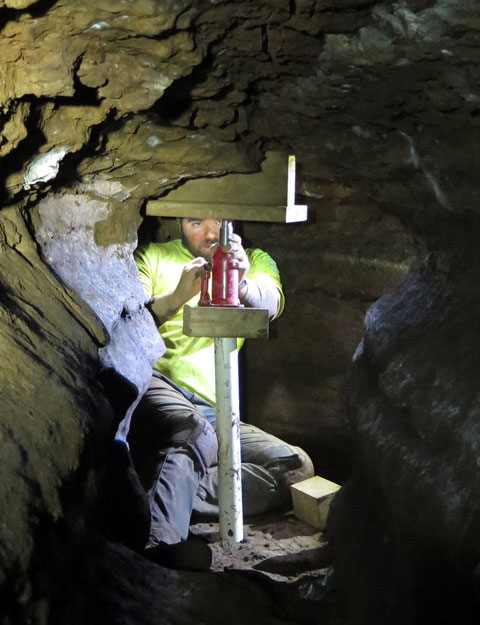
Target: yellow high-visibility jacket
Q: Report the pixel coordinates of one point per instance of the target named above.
(189, 361)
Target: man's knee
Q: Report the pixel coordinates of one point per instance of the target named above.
(182, 428)
(291, 469)
(300, 469)
(163, 415)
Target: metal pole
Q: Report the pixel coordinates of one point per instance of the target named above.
(228, 432)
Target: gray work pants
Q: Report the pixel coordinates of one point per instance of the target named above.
(173, 464)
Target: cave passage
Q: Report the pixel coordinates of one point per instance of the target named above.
(107, 109)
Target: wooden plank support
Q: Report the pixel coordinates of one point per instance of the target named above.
(216, 322)
(233, 212)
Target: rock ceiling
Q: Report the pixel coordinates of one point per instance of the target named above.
(368, 94)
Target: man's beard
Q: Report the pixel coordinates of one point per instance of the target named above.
(196, 251)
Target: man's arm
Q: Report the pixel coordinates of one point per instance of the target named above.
(258, 291)
(257, 295)
(164, 307)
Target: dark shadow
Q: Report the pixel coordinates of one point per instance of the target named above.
(40, 8)
(177, 98)
(83, 96)
(68, 175)
(309, 600)
(15, 160)
(36, 10)
(7, 15)
(125, 514)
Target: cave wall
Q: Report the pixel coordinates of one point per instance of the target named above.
(54, 417)
(405, 525)
(105, 105)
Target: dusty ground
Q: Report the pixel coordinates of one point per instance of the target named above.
(283, 557)
(279, 545)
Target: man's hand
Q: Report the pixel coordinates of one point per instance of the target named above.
(190, 281)
(251, 292)
(164, 307)
(238, 255)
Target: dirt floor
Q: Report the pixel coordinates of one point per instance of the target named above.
(283, 557)
(279, 545)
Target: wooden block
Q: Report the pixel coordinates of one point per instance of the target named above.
(216, 322)
(243, 212)
(311, 500)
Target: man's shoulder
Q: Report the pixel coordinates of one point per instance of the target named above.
(262, 260)
(159, 251)
(256, 253)
(163, 246)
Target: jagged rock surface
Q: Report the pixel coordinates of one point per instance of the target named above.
(106, 104)
(55, 420)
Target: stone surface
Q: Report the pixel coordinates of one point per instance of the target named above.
(100, 590)
(414, 408)
(71, 230)
(53, 409)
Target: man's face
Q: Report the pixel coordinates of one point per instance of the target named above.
(198, 235)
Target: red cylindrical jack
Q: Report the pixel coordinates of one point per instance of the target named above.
(224, 274)
(224, 280)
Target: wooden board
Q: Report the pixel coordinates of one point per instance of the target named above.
(216, 322)
(241, 212)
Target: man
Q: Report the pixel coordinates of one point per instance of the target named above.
(172, 435)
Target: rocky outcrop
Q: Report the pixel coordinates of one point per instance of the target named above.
(405, 525)
(55, 420)
(70, 229)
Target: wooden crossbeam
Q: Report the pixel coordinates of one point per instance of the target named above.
(235, 212)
